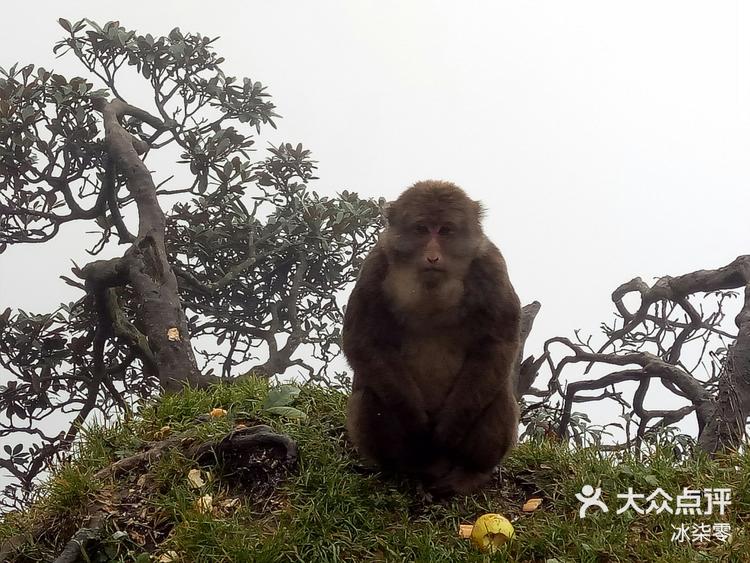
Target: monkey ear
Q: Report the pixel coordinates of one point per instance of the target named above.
(389, 211)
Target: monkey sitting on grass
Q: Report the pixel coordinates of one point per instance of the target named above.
(431, 332)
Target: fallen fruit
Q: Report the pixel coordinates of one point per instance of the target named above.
(491, 531)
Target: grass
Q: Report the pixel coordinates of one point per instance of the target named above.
(329, 509)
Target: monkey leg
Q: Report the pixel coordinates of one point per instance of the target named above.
(380, 435)
(469, 465)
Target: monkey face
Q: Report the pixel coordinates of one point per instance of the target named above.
(434, 251)
(434, 232)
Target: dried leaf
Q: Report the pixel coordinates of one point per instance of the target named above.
(229, 505)
(218, 413)
(464, 530)
(205, 504)
(195, 479)
(173, 334)
(532, 504)
(169, 557)
(137, 537)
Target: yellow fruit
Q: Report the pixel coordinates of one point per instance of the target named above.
(491, 531)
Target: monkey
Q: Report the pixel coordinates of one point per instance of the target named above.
(431, 332)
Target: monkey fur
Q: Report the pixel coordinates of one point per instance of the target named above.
(431, 331)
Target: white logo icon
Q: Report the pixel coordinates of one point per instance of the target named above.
(590, 497)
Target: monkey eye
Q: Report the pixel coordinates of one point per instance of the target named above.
(445, 231)
(421, 230)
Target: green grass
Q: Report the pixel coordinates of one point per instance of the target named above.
(329, 509)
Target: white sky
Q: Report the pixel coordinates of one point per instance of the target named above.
(608, 140)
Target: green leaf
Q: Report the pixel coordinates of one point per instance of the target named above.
(177, 49)
(288, 412)
(651, 480)
(281, 396)
(123, 37)
(94, 25)
(27, 112)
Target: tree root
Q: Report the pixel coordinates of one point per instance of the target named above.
(242, 441)
(77, 544)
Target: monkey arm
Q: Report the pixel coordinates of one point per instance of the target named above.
(396, 390)
(493, 313)
(484, 377)
(377, 367)
(371, 343)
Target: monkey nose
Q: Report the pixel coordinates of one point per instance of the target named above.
(433, 260)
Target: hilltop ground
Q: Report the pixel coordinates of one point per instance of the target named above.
(254, 506)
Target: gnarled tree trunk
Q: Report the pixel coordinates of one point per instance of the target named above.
(160, 333)
(726, 427)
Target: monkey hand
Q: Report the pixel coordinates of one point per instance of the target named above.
(401, 398)
(393, 405)
(412, 413)
(451, 429)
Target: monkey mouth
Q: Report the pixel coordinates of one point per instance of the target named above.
(432, 271)
(432, 277)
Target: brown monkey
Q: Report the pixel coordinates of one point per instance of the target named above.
(431, 331)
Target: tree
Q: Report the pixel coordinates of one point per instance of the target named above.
(673, 341)
(249, 281)
(248, 258)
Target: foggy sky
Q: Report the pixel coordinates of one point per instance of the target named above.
(607, 140)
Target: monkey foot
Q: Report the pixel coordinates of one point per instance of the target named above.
(458, 481)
